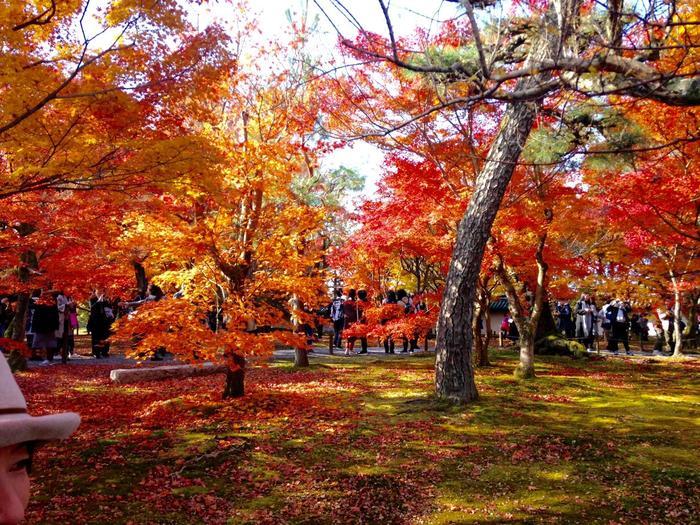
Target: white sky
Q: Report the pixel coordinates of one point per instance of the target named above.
(406, 16)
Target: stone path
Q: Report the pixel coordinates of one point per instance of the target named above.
(377, 352)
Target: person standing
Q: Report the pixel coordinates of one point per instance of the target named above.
(29, 324)
(44, 325)
(337, 316)
(563, 313)
(618, 313)
(505, 327)
(350, 314)
(99, 323)
(405, 302)
(6, 315)
(605, 319)
(64, 329)
(362, 305)
(73, 324)
(585, 318)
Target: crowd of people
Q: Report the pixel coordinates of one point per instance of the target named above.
(615, 322)
(346, 310)
(52, 321)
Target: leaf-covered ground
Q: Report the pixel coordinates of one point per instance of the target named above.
(354, 441)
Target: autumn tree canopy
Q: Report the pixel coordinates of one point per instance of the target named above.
(525, 61)
(532, 149)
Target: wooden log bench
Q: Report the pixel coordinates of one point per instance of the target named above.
(155, 373)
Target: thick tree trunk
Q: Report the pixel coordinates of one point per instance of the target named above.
(301, 357)
(140, 276)
(526, 366)
(526, 324)
(454, 374)
(235, 377)
(17, 327)
(546, 324)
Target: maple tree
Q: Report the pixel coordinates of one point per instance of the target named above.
(204, 168)
(100, 97)
(94, 98)
(242, 242)
(522, 62)
(650, 204)
(185, 154)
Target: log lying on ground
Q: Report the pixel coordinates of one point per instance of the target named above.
(136, 375)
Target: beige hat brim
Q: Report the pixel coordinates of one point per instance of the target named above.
(23, 428)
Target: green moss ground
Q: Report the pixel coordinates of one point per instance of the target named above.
(363, 441)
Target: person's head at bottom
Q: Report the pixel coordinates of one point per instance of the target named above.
(20, 435)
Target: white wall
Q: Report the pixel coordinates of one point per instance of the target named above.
(496, 320)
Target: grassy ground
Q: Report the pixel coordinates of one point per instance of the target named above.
(354, 441)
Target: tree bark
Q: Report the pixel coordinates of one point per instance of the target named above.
(546, 325)
(677, 332)
(301, 357)
(235, 377)
(454, 374)
(526, 366)
(525, 321)
(140, 276)
(17, 327)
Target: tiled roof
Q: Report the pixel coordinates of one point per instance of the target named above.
(499, 305)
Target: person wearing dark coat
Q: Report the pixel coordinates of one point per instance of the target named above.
(99, 322)
(337, 316)
(350, 316)
(6, 315)
(564, 323)
(618, 314)
(45, 322)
